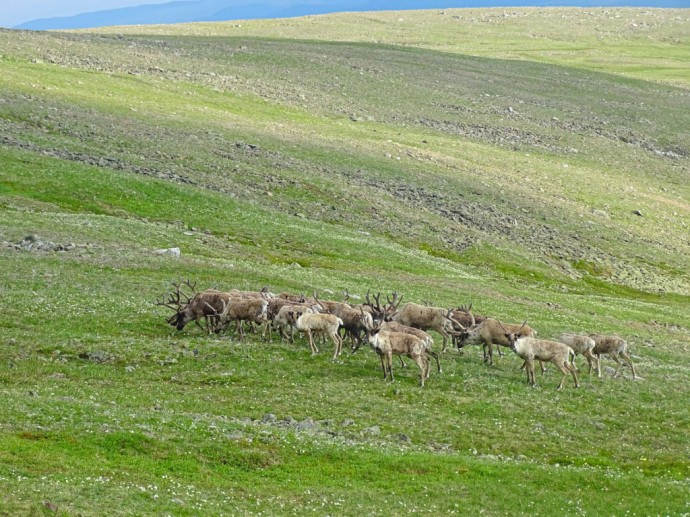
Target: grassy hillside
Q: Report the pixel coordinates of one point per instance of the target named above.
(525, 175)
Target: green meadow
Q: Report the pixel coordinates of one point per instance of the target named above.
(534, 163)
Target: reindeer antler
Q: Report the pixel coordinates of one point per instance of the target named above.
(178, 289)
(377, 297)
(395, 302)
(173, 301)
(316, 298)
(448, 315)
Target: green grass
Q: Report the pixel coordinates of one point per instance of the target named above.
(332, 153)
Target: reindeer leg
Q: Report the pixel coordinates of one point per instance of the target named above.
(314, 350)
(573, 371)
(599, 365)
(389, 362)
(419, 359)
(337, 340)
(590, 360)
(240, 327)
(435, 356)
(565, 369)
(491, 354)
(614, 355)
(383, 365)
(530, 371)
(627, 359)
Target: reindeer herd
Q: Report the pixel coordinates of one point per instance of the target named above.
(388, 328)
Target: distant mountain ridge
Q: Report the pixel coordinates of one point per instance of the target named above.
(222, 10)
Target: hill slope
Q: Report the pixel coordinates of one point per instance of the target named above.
(546, 191)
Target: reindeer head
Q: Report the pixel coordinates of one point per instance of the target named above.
(378, 313)
(371, 332)
(512, 337)
(452, 325)
(463, 333)
(182, 310)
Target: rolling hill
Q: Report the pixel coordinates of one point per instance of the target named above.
(538, 170)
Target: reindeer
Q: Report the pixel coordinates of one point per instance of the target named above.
(467, 318)
(329, 306)
(252, 310)
(264, 294)
(296, 298)
(429, 318)
(378, 313)
(205, 304)
(394, 326)
(614, 346)
(581, 345)
(386, 344)
(529, 349)
(490, 332)
(274, 306)
(287, 315)
(318, 323)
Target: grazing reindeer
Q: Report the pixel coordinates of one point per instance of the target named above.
(265, 293)
(207, 304)
(296, 298)
(468, 319)
(614, 346)
(253, 310)
(529, 349)
(393, 326)
(274, 307)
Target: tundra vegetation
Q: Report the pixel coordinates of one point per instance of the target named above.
(531, 162)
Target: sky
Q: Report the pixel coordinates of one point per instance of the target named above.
(14, 12)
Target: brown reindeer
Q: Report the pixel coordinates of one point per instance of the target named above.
(386, 344)
(488, 333)
(207, 305)
(429, 318)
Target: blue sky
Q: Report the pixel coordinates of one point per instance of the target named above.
(14, 12)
